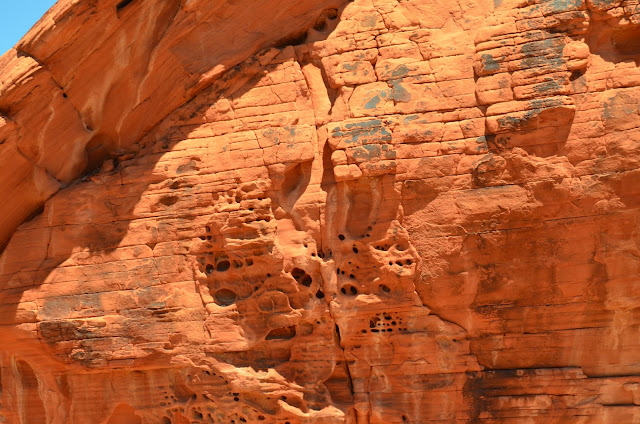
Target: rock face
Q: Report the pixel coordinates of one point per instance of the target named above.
(365, 212)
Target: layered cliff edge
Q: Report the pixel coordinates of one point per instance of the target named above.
(376, 211)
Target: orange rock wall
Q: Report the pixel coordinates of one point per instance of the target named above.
(410, 212)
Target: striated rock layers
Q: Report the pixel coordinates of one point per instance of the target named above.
(378, 211)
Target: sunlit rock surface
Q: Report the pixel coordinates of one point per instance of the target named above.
(318, 212)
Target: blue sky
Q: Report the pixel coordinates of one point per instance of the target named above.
(17, 18)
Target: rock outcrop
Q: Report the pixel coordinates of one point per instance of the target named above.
(365, 212)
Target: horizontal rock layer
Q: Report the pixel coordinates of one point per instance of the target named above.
(372, 212)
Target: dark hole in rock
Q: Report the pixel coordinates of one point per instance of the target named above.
(319, 294)
(320, 25)
(385, 288)
(355, 249)
(575, 75)
(306, 281)
(209, 268)
(341, 236)
(248, 261)
(301, 277)
(169, 200)
(225, 297)
(284, 333)
(123, 4)
(349, 289)
(223, 265)
(292, 40)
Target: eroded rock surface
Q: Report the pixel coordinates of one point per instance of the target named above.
(375, 212)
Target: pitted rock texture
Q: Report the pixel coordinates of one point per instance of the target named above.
(300, 212)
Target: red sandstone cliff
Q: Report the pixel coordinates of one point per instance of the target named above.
(376, 211)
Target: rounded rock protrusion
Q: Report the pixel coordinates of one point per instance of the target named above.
(576, 53)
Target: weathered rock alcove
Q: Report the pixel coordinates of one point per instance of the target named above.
(360, 212)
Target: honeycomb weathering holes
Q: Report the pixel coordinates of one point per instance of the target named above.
(301, 277)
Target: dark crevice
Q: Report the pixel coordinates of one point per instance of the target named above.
(284, 333)
(350, 379)
(123, 4)
(328, 177)
(292, 40)
(331, 92)
(576, 75)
